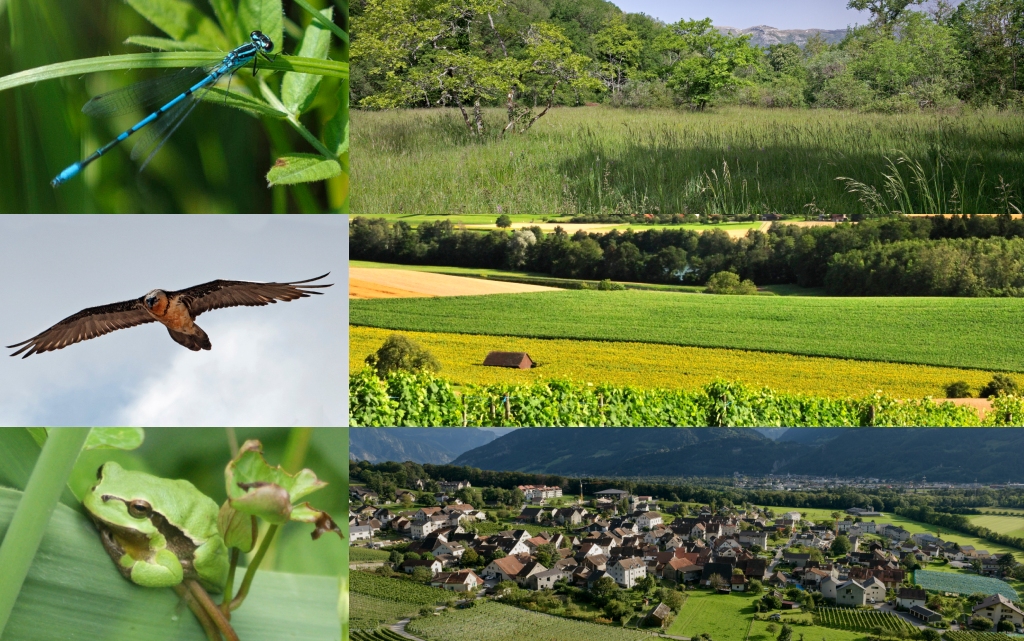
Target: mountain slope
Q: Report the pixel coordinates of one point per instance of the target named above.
(433, 445)
(951, 455)
(764, 36)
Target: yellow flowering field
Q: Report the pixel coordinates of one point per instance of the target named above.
(667, 366)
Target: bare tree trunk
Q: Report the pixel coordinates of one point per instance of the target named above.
(465, 116)
(478, 114)
(551, 99)
(511, 111)
(501, 40)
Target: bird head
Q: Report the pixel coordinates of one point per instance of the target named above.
(156, 301)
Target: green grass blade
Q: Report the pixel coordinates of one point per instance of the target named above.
(29, 520)
(325, 21)
(162, 60)
(164, 44)
(228, 17)
(182, 21)
(73, 585)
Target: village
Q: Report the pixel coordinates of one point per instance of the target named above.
(631, 558)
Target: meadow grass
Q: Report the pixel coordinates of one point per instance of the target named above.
(759, 632)
(947, 332)
(666, 366)
(729, 160)
(1010, 525)
(723, 616)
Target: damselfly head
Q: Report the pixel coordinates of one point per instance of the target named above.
(265, 44)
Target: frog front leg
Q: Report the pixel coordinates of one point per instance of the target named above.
(161, 570)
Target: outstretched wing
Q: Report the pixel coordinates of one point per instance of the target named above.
(233, 293)
(86, 324)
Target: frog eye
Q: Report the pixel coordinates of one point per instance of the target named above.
(139, 509)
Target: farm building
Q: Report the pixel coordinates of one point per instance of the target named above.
(926, 615)
(517, 360)
(658, 616)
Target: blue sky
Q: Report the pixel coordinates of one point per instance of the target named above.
(281, 364)
(792, 14)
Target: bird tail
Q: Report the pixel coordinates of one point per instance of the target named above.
(194, 342)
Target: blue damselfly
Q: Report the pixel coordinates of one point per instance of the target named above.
(188, 84)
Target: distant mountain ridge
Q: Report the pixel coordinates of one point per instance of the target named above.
(434, 445)
(899, 454)
(765, 36)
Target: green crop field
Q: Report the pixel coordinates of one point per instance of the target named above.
(759, 632)
(1010, 525)
(395, 589)
(862, 621)
(907, 330)
(723, 616)
(490, 621)
(364, 555)
(600, 159)
(965, 635)
(963, 583)
(369, 613)
(376, 635)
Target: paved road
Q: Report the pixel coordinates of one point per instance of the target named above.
(399, 628)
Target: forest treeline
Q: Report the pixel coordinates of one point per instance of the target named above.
(526, 56)
(906, 256)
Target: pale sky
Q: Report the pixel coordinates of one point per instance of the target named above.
(281, 365)
(792, 14)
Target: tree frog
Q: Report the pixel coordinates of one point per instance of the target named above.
(159, 532)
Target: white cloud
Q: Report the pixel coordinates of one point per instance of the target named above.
(253, 377)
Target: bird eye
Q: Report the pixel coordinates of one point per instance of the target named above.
(139, 509)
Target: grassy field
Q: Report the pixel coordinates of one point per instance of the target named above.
(725, 617)
(601, 159)
(1011, 525)
(666, 366)
(906, 330)
(496, 622)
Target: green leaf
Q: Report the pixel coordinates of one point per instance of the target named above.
(249, 466)
(265, 16)
(164, 44)
(18, 453)
(301, 168)
(326, 22)
(182, 21)
(73, 585)
(228, 18)
(114, 438)
(299, 89)
(336, 133)
(160, 60)
(245, 102)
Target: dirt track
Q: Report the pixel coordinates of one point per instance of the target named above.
(367, 282)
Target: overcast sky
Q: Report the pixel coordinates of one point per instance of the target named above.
(282, 365)
(792, 14)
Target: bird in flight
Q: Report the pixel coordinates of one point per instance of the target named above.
(176, 310)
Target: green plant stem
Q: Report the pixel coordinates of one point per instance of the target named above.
(296, 448)
(212, 610)
(28, 525)
(293, 120)
(204, 619)
(250, 571)
(319, 17)
(162, 60)
(229, 586)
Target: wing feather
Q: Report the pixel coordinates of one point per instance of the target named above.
(86, 324)
(219, 294)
